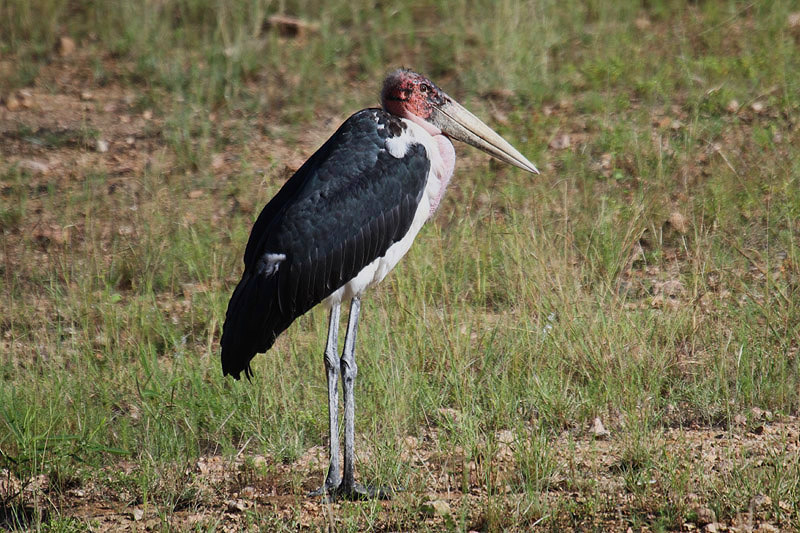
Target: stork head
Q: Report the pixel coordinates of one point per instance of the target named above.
(414, 97)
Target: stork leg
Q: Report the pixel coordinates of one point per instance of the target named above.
(333, 479)
(345, 487)
(349, 373)
(349, 489)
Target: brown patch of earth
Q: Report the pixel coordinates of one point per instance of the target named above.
(227, 493)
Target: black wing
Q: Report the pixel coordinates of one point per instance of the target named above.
(342, 210)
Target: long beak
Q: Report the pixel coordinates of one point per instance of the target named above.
(458, 123)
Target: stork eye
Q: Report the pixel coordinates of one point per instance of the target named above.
(424, 87)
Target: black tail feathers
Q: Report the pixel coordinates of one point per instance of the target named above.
(250, 323)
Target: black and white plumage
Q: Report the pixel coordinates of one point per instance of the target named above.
(334, 217)
(340, 224)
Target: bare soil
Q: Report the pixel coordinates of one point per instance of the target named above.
(229, 493)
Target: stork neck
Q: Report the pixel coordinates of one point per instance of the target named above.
(448, 155)
(432, 130)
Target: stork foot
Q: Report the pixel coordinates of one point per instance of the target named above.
(325, 490)
(358, 492)
(353, 492)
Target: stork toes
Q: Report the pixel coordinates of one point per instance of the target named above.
(353, 492)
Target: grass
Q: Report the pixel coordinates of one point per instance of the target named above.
(528, 307)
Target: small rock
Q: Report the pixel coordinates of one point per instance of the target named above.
(714, 527)
(758, 107)
(506, 436)
(761, 501)
(705, 515)
(195, 194)
(33, 166)
(12, 102)
(26, 98)
(87, 95)
(65, 46)
(499, 117)
(436, 508)
(598, 430)
(147, 114)
(101, 146)
(248, 492)
(642, 23)
(740, 420)
(767, 528)
(236, 506)
(217, 161)
(679, 222)
(560, 142)
(793, 20)
(137, 514)
(733, 106)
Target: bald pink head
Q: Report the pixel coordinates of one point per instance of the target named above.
(410, 95)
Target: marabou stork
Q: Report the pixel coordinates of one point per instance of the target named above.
(340, 224)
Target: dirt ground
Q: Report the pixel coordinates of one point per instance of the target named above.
(236, 494)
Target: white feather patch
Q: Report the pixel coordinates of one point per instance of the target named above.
(398, 146)
(270, 262)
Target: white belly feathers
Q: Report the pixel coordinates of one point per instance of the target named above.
(442, 157)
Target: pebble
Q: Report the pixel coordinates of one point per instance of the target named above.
(66, 46)
(33, 166)
(436, 508)
(598, 430)
(706, 515)
(236, 506)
